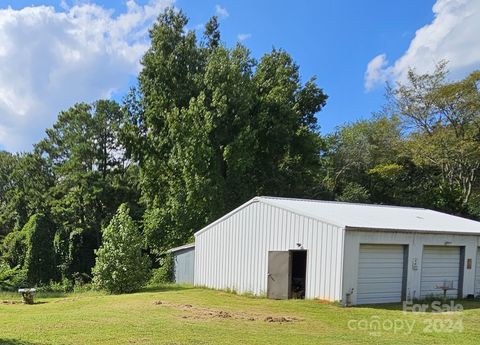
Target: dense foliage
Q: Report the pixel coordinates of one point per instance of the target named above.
(121, 266)
(223, 129)
(208, 128)
(166, 272)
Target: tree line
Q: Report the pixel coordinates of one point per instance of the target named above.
(208, 128)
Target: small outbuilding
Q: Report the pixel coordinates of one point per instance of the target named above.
(183, 263)
(353, 253)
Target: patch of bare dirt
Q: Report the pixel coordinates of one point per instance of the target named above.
(200, 313)
(281, 319)
(10, 302)
(324, 301)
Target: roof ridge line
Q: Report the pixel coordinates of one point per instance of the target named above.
(343, 202)
(302, 213)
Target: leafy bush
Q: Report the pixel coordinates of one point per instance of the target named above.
(164, 274)
(14, 248)
(57, 287)
(121, 266)
(11, 278)
(78, 284)
(82, 282)
(82, 288)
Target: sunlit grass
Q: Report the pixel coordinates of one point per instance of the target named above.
(183, 315)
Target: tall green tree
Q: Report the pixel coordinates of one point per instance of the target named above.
(7, 165)
(211, 127)
(92, 177)
(369, 161)
(26, 179)
(357, 148)
(444, 119)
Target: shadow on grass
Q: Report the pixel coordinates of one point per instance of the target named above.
(467, 304)
(16, 342)
(167, 287)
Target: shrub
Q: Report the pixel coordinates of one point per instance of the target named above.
(121, 266)
(62, 287)
(11, 278)
(14, 247)
(164, 274)
(82, 288)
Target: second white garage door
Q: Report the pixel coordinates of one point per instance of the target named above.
(439, 264)
(380, 273)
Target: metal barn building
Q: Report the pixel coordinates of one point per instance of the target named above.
(183, 263)
(354, 253)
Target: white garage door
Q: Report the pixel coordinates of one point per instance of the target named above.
(380, 273)
(477, 274)
(439, 265)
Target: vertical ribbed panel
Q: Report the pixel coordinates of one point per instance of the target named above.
(184, 266)
(232, 254)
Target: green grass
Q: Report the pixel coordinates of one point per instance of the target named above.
(182, 315)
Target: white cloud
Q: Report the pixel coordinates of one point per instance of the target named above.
(51, 59)
(64, 5)
(221, 12)
(375, 71)
(453, 35)
(243, 37)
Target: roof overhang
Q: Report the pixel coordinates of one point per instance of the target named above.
(415, 231)
(184, 247)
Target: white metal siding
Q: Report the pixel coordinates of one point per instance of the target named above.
(439, 264)
(416, 243)
(477, 274)
(232, 253)
(380, 271)
(184, 263)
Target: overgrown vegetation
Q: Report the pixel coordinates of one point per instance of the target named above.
(164, 274)
(121, 266)
(208, 128)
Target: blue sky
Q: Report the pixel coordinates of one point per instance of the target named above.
(333, 40)
(338, 41)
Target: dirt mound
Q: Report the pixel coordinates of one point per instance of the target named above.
(280, 319)
(200, 313)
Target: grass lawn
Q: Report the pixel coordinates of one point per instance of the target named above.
(182, 315)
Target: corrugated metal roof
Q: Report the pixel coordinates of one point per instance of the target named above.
(368, 216)
(185, 246)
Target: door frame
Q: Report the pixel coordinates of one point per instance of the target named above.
(404, 261)
(461, 268)
(289, 270)
(406, 251)
(461, 272)
(291, 251)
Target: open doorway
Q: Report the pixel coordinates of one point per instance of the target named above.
(287, 272)
(298, 273)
